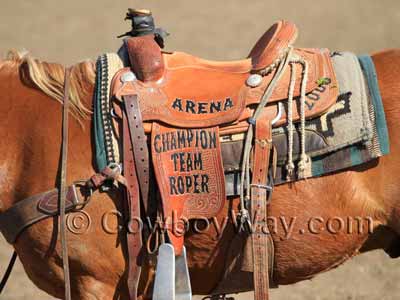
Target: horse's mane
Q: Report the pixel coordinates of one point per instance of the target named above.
(49, 78)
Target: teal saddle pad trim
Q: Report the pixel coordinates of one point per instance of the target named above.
(100, 148)
(372, 79)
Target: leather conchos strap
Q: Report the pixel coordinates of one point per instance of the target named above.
(259, 193)
(139, 145)
(189, 172)
(134, 235)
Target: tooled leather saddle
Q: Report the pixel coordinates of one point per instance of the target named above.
(176, 109)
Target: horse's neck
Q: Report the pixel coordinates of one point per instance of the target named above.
(30, 130)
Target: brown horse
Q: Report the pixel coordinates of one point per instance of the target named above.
(30, 131)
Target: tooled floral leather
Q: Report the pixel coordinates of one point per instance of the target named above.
(190, 175)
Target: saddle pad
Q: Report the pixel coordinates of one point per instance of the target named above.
(348, 121)
(329, 150)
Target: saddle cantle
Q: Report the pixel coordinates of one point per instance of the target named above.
(272, 45)
(184, 104)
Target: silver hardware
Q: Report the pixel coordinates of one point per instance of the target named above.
(128, 77)
(244, 217)
(254, 80)
(172, 280)
(75, 187)
(279, 115)
(164, 283)
(183, 289)
(113, 114)
(262, 186)
(115, 167)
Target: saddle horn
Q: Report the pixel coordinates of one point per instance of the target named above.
(143, 24)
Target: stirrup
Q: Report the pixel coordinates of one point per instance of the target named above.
(172, 280)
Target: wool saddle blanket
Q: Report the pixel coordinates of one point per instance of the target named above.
(351, 133)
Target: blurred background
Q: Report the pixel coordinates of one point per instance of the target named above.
(70, 31)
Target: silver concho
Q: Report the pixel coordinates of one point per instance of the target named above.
(128, 76)
(254, 80)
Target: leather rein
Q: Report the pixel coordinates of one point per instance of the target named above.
(62, 196)
(63, 185)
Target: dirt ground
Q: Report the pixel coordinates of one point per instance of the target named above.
(69, 31)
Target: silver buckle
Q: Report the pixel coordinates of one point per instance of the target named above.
(262, 186)
(80, 204)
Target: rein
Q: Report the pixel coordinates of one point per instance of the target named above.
(63, 185)
(7, 274)
(62, 196)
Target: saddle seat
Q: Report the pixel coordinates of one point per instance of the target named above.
(272, 44)
(179, 59)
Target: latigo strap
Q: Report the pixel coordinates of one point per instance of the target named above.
(134, 235)
(259, 193)
(139, 146)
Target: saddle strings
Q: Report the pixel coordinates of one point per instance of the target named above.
(290, 164)
(305, 163)
(245, 174)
